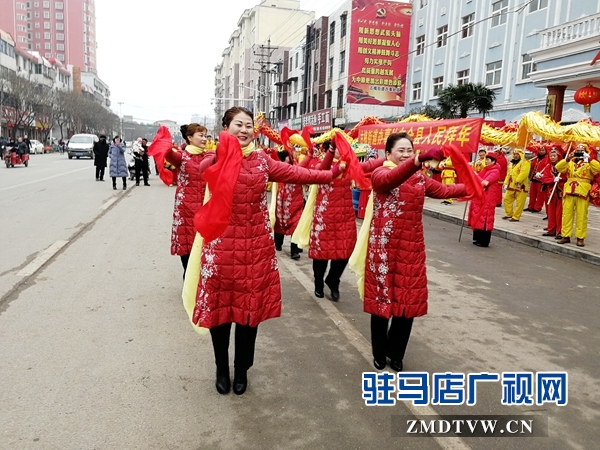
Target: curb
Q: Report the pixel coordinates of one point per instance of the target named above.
(575, 253)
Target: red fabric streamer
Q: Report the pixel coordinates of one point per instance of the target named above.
(161, 144)
(286, 134)
(467, 176)
(213, 217)
(353, 169)
(306, 132)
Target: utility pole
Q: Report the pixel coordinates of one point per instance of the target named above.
(121, 119)
(266, 51)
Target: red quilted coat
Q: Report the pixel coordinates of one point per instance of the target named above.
(503, 164)
(333, 230)
(395, 279)
(240, 278)
(485, 219)
(189, 197)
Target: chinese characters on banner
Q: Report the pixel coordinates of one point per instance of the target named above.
(463, 133)
(319, 120)
(379, 39)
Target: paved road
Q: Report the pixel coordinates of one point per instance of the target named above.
(96, 352)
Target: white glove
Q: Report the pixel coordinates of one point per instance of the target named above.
(586, 157)
(538, 174)
(557, 178)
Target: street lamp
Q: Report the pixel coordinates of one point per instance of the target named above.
(121, 119)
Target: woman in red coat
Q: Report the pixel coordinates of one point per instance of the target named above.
(551, 178)
(482, 213)
(239, 280)
(333, 229)
(395, 284)
(189, 194)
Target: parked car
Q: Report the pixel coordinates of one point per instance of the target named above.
(36, 146)
(81, 145)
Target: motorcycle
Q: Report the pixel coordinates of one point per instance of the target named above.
(12, 158)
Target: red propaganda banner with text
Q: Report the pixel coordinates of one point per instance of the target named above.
(379, 39)
(464, 133)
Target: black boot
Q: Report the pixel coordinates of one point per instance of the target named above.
(240, 381)
(223, 382)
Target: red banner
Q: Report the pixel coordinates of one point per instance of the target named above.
(379, 39)
(464, 133)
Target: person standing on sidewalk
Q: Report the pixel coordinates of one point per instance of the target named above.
(537, 195)
(554, 183)
(503, 164)
(100, 154)
(232, 274)
(140, 157)
(482, 213)
(448, 176)
(580, 171)
(118, 165)
(517, 185)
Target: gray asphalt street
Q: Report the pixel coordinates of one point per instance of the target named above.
(96, 351)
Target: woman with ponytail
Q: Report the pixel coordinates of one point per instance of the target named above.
(233, 273)
(189, 195)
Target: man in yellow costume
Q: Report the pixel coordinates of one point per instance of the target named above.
(210, 144)
(479, 163)
(580, 171)
(517, 185)
(448, 175)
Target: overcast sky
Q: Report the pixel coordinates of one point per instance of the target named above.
(159, 61)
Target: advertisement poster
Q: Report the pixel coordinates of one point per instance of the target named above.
(379, 39)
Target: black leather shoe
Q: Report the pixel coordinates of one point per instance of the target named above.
(296, 256)
(396, 365)
(223, 383)
(379, 365)
(319, 294)
(335, 293)
(240, 383)
(278, 248)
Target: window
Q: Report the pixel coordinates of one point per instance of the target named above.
(37, 25)
(47, 35)
(36, 4)
(416, 92)
(60, 57)
(340, 97)
(38, 69)
(499, 11)
(528, 67)
(330, 69)
(60, 26)
(493, 72)
(295, 86)
(316, 72)
(46, 4)
(291, 62)
(59, 16)
(328, 95)
(60, 37)
(462, 77)
(38, 46)
(48, 46)
(343, 25)
(46, 25)
(36, 14)
(342, 61)
(423, 3)
(331, 33)
(296, 60)
(60, 47)
(37, 35)
(442, 36)
(538, 4)
(46, 14)
(47, 55)
(420, 44)
(58, 5)
(467, 25)
(438, 85)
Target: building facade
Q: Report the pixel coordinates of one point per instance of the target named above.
(62, 30)
(517, 49)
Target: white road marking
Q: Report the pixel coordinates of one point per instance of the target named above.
(360, 343)
(108, 203)
(483, 280)
(41, 259)
(43, 179)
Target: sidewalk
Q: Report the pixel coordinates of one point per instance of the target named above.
(527, 231)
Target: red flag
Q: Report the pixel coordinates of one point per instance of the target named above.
(596, 58)
(354, 169)
(161, 144)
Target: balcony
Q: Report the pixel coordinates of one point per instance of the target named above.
(576, 30)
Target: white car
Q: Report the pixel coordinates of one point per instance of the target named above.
(36, 147)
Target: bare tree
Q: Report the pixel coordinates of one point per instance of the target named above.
(18, 104)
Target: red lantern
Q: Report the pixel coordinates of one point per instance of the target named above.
(587, 96)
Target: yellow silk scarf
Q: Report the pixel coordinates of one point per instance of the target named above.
(192, 273)
(301, 236)
(358, 259)
(273, 205)
(193, 150)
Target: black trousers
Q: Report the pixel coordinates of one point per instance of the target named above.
(278, 238)
(390, 342)
(482, 238)
(100, 173)
(245, 340)
(114, 179)
(184, 263)
(141, 168)
(333, 277)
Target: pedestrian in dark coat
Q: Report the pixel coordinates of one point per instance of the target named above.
(100, 155)
(118, 165)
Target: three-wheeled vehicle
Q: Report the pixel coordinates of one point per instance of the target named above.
(12, 159)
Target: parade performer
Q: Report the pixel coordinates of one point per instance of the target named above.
(232, 274)
(503, 164)
(330, 213)
(554, 183)
(448, 176)
(363, 200)
(389, 258)
(482, 214)
(189, 195)
(517, 185)
(580, 171)
(537, 195)
(479, 163)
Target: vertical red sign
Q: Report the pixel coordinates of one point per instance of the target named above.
(379, 39)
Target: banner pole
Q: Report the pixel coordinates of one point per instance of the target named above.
(462, 225)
